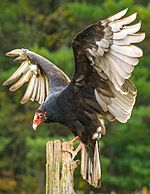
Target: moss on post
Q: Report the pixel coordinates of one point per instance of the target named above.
(59, 168)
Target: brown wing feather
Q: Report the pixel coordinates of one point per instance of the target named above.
(105, 57)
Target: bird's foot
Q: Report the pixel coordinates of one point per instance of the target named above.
(76, 151)
(77, 138)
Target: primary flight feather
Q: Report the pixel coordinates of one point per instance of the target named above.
(100, 88)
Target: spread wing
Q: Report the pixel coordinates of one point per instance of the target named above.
(42, 76)
(104, 60)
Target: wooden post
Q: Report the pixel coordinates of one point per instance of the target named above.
(59, 168)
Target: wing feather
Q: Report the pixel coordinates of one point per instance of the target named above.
(39, 72)
(118, 24)
(130, 60)
(47, 85)
(108, 45)
(29, 90)
(118, 15)
(38, 91)
(132, 38)
(131, 51)
(35, 90)
(17, 74)
(126, 30)
(25, 78)
(42, 89)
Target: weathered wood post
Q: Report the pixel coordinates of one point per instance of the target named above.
(59, 168)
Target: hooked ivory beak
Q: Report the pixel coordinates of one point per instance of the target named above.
(34, 126)
(36, 122)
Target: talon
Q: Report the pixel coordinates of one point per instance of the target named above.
(73, 156)
(77, 138)
(74, 152)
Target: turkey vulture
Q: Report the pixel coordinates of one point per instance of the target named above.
(100, 87)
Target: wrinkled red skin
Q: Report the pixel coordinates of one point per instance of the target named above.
(37, 121)
(38, 118)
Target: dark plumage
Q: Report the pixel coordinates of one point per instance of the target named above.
(104, 60)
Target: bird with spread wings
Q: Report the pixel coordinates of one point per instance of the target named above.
(100, 88)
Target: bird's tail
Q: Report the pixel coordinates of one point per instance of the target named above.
(90, 164)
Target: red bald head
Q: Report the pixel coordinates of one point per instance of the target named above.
(39, 118)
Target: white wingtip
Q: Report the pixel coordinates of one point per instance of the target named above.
(14, 53)
(118, 15)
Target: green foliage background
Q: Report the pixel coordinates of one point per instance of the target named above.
(47, 27)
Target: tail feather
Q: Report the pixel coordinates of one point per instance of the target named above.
(90, 165)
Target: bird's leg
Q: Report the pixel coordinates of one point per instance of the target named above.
(77, 138)
(75, 152)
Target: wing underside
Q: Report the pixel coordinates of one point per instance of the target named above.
(107, 47)
(41, 75)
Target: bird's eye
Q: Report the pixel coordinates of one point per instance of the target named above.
(40, 115)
